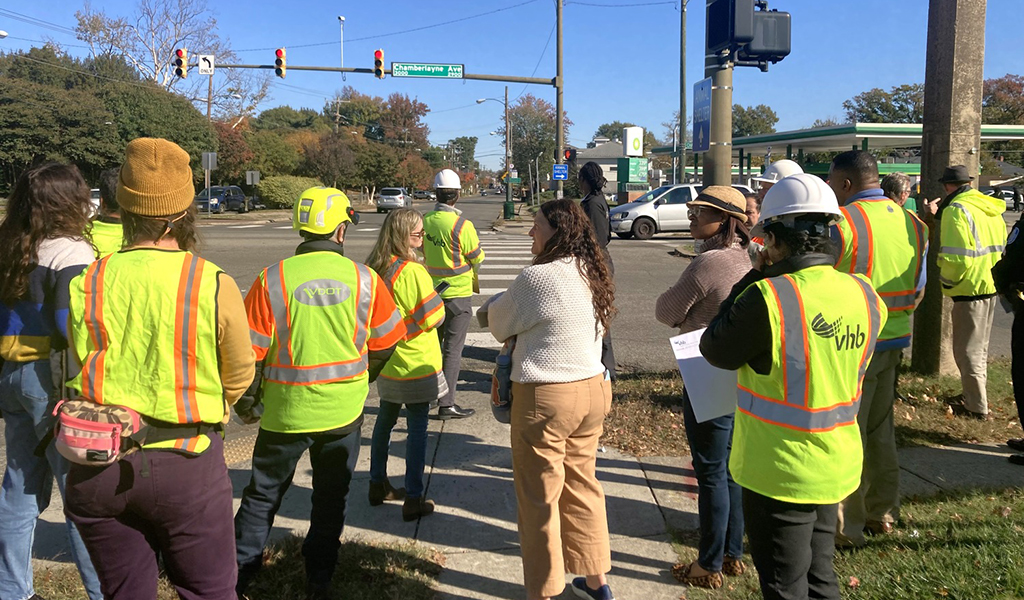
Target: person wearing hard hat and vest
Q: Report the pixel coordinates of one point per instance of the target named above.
(323, 327)
(972, 235)
(161, 332)
(452, 254)
(774, 173)
(801, 335)
(888, 245)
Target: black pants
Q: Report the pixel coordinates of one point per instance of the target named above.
(792, 547)
(458, 313)
(1017, 365)
(333, 458)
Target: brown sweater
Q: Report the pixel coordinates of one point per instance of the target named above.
(694, 300)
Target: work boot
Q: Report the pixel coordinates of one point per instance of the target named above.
(380, 492)
(454, 412)
(415, 508)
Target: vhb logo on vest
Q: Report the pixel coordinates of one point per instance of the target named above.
(850, 339)
(322, 292)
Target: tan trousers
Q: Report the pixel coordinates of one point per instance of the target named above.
(878, 497)
(562, 521)
(972, 324)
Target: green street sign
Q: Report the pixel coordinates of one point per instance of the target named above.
(632, 170)
(426, 70)
(516, 180)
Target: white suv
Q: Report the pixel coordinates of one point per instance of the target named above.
(661, 210)
(392, 198)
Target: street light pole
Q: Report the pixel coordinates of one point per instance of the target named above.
(508, 149)
(560, 82)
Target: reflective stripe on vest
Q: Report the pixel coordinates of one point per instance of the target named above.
(283, 370)
(862, 253)
(92, 370)
(975, 252)
(793, 412)
(185, 334)
(458, 266)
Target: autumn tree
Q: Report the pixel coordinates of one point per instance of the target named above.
(901, 104)
(234, 156)
(401, 122)
(331, 160)
(533, 127)
(1002, 102)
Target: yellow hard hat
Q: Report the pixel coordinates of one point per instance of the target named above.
(321, 209)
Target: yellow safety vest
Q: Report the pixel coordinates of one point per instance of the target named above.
(972, 236)
(451, 248)
(311, 318)
(796, 437)
(107, 237)
(887, 245)
(144, 326)
(413, 373)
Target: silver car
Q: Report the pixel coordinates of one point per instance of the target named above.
(392, 198)
(661, 210)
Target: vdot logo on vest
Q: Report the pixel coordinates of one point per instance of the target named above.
(849, 339)
(322, 292)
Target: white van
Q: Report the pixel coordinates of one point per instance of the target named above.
(661, 210)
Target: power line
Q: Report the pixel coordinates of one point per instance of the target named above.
(37, 22)
(630, 5)
(394, 33)
(539, 60)
(81, 72)
(44, 42)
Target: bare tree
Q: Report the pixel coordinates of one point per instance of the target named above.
(148, 38)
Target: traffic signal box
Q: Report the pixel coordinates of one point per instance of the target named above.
(378, 63)
(181, 62)
(281, 62)
(570, 156)
(749, 29)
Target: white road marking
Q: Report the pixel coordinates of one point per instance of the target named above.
(490, 291)
(491, 259)
(283, 227)
(482, 340)
(516, 266)
(358, 229)
(244, 226)
(498, 277)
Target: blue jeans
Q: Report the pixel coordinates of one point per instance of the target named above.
(333, 458)
(415, 444)
(719, 499)
(28, 480)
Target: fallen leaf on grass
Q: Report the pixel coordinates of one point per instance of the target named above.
(908, 416)
(943, 591)
(1003, 512)
(853, 582)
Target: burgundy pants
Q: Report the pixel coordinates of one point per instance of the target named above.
(181, 512)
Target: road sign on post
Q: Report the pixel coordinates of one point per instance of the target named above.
(210, 161)
(426, 70)
(252, 178)
(702, 115)
(561, 172)
(206, 64)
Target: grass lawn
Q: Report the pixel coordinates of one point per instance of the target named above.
(966, 546)
(647, 418)
(366, 571)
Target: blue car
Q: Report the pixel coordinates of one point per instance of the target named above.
(217, 199)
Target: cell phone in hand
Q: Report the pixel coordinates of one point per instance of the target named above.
(441, 287)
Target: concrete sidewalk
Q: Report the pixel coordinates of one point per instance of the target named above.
(470, 478)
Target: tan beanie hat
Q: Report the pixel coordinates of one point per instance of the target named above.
(155, 179)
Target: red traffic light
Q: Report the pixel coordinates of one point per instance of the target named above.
(179, 53)
(378, 63)
(379, 54)
(568, 153)
(280, 53)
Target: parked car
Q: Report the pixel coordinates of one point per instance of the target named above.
(94, 199)
(424, 195)
(219, 198)
(392, 198)
(1006, 194)
(661, 210)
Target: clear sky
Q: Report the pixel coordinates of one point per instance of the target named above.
(621, 56)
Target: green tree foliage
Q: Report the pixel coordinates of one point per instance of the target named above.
(272, 155)
(901, 104)
(1002, 102)
(286, 117)
(434, 157)
(753, 120)
(463, 151)
(330, 158)
(284, 190)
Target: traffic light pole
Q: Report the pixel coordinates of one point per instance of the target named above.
(508, 155)
(681, 175)
(473, 76)
(559, 112)
(718, 158)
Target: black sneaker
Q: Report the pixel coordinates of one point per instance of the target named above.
(959, 410)
(1016, 444)
(579, 587)
(454, 412)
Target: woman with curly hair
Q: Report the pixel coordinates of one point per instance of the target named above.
(42, 249)
(413, 375)
(558, 309)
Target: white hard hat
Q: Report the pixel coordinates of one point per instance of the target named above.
(802, 194)
(779, 170)
(447, 179)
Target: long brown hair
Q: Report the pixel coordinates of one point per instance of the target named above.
(180, 227)
(49, 201)
(394, 239)
(574, 238)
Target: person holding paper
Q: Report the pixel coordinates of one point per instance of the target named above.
(801, 335)
(718, 219)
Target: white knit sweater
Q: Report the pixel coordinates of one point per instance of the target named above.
(550, 310)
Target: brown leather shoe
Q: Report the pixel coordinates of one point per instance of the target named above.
(878, 527)
(380, 492)
(415, 508)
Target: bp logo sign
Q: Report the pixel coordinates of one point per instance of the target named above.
(636, 143)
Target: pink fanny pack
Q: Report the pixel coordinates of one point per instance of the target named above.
(93, 434)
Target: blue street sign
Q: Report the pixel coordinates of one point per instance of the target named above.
(560, 172)
(702, 115)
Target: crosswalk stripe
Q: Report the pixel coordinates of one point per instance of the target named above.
(283, 227)
(243, 226)
(493, 259)
(498, 276)
(519, 266)
(489, 291)
(358, 229)
(482, 340)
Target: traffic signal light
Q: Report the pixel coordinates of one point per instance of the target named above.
(378, 63)
(280, 62)
(771, 40)
(570, 156)
(730, 24)
(181, 62)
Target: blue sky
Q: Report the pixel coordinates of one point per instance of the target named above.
(621, 62)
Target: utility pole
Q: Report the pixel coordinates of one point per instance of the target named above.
(718, 158)
(209, 103)
(951, 135)
(341, 43)
(682, 96)
(508, 148)
(559, 85)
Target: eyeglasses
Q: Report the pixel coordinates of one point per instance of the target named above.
(694, 212)
(418, 234)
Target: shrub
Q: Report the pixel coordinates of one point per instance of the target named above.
(282, 191)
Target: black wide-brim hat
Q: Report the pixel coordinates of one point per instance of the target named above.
(955, 174)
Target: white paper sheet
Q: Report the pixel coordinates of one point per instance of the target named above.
(712, 391)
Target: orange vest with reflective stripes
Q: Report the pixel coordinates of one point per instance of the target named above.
(312, 320)
(886, 244)
(796, 437)
(147, 339)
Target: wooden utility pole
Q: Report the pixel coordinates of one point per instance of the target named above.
(951, 136)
